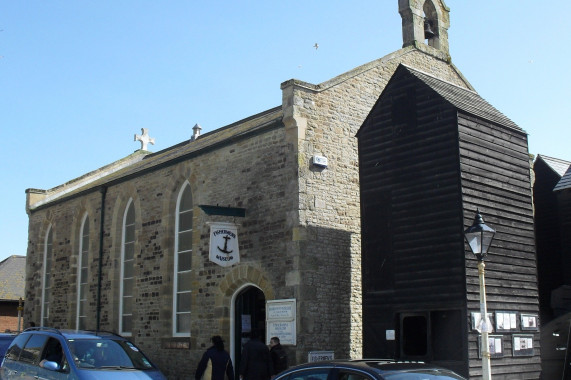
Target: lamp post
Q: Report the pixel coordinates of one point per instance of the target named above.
(479, 236)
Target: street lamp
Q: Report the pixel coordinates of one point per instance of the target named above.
(479, 236)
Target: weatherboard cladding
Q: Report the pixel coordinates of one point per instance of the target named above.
(409, 179)
(495, 178)
(564, 212)
(422, 178)
(548, 172)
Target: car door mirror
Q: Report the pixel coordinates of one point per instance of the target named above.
(52, 366)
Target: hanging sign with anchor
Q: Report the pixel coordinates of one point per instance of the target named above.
(224, 244)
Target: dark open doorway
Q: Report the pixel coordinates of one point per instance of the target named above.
(249, 314)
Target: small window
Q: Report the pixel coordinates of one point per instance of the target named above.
(31, 352)
(53, 352)
(17, 347)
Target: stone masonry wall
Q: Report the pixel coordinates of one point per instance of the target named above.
(252, 174)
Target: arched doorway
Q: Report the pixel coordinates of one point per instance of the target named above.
(249, 314)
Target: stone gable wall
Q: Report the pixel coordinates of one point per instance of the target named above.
(328, 119)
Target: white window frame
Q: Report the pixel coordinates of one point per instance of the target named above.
(46, 293)
(176, 272)
(124, 225)
(80, 264)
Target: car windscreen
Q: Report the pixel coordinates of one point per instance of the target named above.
(107, 353)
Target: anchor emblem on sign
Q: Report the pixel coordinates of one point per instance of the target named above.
(225, 249)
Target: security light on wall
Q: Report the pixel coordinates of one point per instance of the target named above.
(319, 161)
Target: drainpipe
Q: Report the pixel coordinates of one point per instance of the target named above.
(103, 191)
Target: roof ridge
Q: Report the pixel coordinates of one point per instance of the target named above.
(441, 80)
(553, 158)
(464, 99)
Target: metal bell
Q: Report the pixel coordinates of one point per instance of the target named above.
(428, 32)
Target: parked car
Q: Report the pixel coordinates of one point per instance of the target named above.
(367, 369)
(49, 353)
(5, 340)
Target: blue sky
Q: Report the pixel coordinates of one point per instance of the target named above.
(79, 78)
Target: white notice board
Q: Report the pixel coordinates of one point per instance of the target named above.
(320, 356)
(281, 321)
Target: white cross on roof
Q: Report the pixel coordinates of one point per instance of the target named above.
(144, 138)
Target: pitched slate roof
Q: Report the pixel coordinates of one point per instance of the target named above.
(141, 161)
(12, 274)
(463, 99)
(564, 182)
(557, 165)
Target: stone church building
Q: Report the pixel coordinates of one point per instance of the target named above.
(255, 225)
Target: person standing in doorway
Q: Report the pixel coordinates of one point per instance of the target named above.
(278, 355)
(215, 362)
(256, 363)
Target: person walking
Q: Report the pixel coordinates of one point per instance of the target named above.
(278, 355)
(255, 363)
(215, 362)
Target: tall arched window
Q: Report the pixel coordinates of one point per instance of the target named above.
(82, 274)
(47, 282)
(127, 269)
(182, 263)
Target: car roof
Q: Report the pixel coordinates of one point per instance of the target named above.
(372, 365)
(75, 334)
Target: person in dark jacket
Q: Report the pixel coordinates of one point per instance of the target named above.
(255, 363)
(215, 362)
(279, 356)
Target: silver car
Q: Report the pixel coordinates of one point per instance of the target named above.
(46, 353)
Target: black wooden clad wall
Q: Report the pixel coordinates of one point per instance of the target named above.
(425, 166)
(412, 255)
(564, 203)
(547, 235)
(495, 178)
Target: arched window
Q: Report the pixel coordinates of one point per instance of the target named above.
(182, 263)
(47, 282)
(82, 274)
(127, 269)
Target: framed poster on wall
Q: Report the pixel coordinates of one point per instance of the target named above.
(522, 344)
(529, 322)
(496, 346)
(506, 321)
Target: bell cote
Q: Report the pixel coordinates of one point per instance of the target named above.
(425, 22)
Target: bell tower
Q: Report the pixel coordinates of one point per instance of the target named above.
(425, 22)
